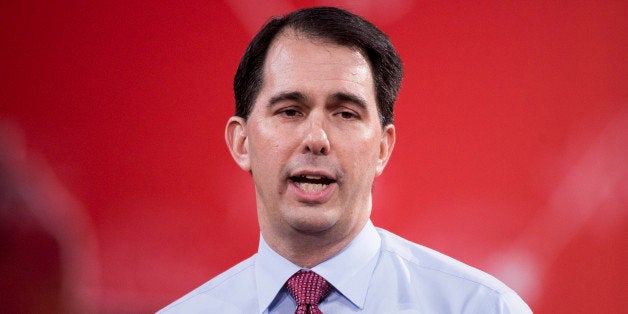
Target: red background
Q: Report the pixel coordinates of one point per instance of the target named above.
(511, 155)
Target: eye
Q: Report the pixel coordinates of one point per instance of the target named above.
(289, 113)
(347, 115)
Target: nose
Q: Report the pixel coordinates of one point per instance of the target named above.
(316, 141)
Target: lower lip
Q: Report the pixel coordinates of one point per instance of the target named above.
(312, 197)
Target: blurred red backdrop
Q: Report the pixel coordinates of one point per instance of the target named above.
(511, 155)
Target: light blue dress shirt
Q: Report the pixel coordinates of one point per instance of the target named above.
(378, 272)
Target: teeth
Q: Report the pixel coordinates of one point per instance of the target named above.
(311, 187)
(313, 177)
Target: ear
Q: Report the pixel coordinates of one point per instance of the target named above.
(237, 142)
(386, 145)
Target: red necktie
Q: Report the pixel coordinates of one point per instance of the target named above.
(308, 289)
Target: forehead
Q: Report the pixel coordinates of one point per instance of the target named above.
(289, 36)
(291, 47)
(294, 59)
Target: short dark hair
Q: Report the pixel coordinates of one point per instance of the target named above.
(337, 26)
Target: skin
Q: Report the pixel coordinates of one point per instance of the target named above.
(315, 114)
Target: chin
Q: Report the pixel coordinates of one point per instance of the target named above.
(312, 224)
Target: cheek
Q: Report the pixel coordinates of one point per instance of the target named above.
(362, 158)
(268, 147)
(365, 146)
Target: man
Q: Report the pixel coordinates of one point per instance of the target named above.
(314, 127)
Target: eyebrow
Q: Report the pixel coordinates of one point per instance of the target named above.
(302, 98)
(291, 96)
(347, 97)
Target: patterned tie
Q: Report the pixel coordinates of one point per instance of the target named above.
(308, 289)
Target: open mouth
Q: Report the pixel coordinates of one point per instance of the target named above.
(311, 183)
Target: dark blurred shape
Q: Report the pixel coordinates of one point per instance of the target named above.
(47, 258)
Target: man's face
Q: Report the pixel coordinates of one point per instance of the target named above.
(313, 140)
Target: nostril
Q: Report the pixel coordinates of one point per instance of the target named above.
(318, 148)
(316, 142)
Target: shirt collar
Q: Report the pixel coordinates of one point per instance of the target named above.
(349, 271)
(271, 273)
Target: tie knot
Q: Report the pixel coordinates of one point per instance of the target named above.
(308, 288)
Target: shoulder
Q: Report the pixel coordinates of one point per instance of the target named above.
(217, 293)
(427, 271)
(430, 261)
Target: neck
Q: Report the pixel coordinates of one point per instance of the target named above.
(307, 250)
